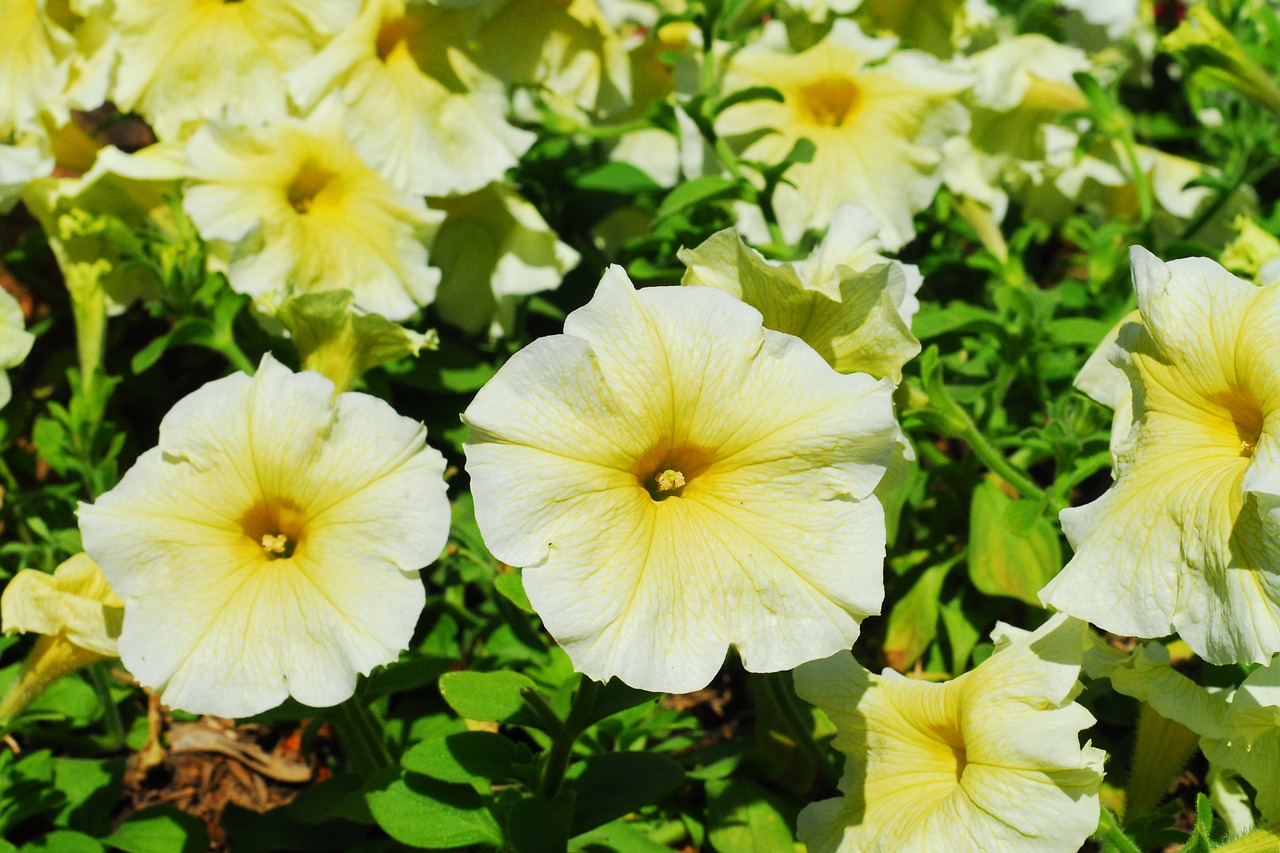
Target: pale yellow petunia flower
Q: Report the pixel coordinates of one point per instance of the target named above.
(675, 478)
(420, 111)
(878, 117)
(15, 341)
(270, 545)
(183, 62)
(293, 208)
(990, 761)
(1188, 537)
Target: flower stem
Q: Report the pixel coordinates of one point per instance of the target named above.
(562, 744)
(1113, 838)
(110, 713)
(361, 736)
(798, 724)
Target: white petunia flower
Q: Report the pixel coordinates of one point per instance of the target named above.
(675, 478)
(420, 111)
(183, 62)
(1188, 537)
(270, 545)
(989, 761)
(297, 210)
(494, 247)
(877, 116)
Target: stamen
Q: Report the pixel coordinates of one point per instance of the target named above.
(669, 480)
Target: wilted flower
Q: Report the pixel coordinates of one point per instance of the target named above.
(847, 301)
(877, 125)
(1185, 540)
(186, 61)
(270, 545)
(298, 211)
(989, 761)
(77, 615)
(675, 478)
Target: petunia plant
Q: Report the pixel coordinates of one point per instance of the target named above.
(639, 425)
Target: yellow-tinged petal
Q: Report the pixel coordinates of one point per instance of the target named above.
(269, 546)
(1185, 538)
(773, 542)
(990, 761)
(839, 301)
(186, 61)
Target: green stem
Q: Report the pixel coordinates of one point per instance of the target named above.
(1112, 836)
(110, 713)
(361, 736)
(996, 461)
(562, 744)
(798, 723)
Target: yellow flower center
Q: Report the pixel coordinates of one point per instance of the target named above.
(276, 544)
(666, 471)
(277, 528)
(669, 480)
(306, 187)
(829, 101)
(1246, 416)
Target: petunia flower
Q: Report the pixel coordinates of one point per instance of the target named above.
(35, 55)
(15, 341)
(569, 51)
(848, 302)
(296, 210)
(989, 761)
(877, 116)
(183, 62)
(494, 247)
(77, 615)
(1187, 538)
(675, 478)
(421, 112)
(270, 545)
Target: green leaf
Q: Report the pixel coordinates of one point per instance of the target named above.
(620, 837)
(616, 178)
(614, 697)
(751, 93)
(617, 783)
(962, 635)
(491, 697)
(64, 841)
(693, 192)
(511, 585)
(466, 757)
(913, 621)
(536, 825)
(1013, 549)
(92, 788)
(338, 797)
(741, 815)
(425, 813)
(160, 828)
